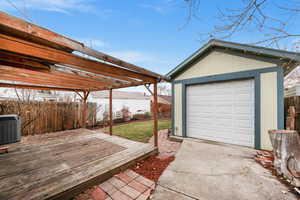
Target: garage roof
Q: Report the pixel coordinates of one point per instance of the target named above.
(287, 59)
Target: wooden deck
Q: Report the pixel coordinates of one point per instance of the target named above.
(60, 165)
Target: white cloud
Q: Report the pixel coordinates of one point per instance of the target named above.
(159, 9)
(163, 7)
(62, 6)
(146, 60)
(132, 56)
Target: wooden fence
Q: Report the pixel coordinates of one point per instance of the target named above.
(44, 117)
(293, 101)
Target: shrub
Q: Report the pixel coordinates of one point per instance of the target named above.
(146, 115)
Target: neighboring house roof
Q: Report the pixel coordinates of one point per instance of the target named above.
(120, 95)
(287, 58)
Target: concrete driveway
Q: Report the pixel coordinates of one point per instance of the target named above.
(209, 171)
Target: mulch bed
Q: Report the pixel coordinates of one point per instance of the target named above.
(152, 167)
(266, 159)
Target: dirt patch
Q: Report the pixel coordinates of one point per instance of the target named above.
(153, 167)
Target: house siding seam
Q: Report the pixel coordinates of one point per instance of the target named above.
(256, 75)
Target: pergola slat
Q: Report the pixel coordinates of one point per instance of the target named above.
(107, 80)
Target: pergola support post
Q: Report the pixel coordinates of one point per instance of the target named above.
(84, 98)
(110, 112)
(155, 113)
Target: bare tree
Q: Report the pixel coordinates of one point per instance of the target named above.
(273, 20)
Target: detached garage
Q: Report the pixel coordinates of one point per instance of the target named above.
(231, 93)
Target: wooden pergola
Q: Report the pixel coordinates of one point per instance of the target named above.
(32, 57)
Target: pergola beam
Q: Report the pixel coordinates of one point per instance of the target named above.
(108, 80)
(27, 78)
(36, 81)
(23, 47)
(17, 59)
(32, 77)
(38, 87)
(52, 75)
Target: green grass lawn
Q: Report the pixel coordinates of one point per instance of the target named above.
(139, 131)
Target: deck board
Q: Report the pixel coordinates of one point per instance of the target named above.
(43, 166)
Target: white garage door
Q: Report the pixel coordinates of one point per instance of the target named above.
(222, 112)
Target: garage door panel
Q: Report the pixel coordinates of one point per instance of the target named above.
(225, 97)
(223, 122)
(224, 109)
(203, 109)
(242, 111)
(222, 112)
(196, 124)
(202, 116)
(243, 124)
(223, 116)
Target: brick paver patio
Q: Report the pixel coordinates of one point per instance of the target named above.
(126, 185)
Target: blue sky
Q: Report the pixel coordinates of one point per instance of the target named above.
(150, 33)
